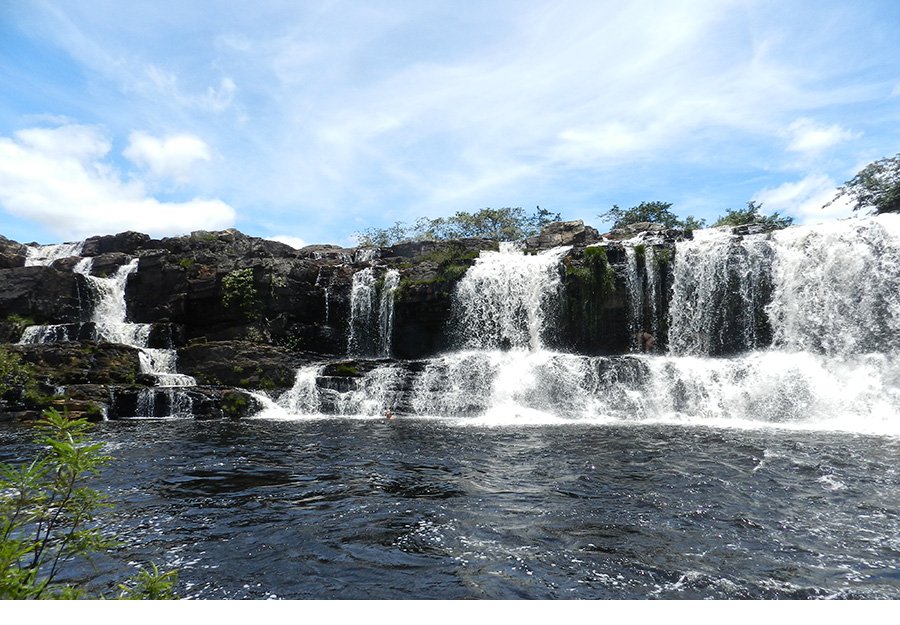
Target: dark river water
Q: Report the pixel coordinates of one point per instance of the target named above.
(429, 508)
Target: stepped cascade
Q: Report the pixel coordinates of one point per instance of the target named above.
(756, 322)
(109, 318)
(797, 328)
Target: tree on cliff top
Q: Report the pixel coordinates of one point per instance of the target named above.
(875, 187)
(751, 215)
(499, 224)
(655, 212)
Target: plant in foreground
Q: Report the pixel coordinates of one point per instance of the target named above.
(48, 518)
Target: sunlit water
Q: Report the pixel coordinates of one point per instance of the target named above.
(442, 508)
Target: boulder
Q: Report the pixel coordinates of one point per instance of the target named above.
(124, 243)
(62, 364)
(12, 254)
(44, 295)
(239, 363)
(562, 233)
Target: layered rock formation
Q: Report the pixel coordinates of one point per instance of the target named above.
(243, 313)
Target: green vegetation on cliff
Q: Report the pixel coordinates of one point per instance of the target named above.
(751, 215)
(653, 212)
(499, 224)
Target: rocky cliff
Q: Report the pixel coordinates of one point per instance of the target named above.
(243, 313)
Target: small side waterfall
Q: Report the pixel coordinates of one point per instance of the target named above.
(372, 313)
(654, 288)
(316, 393)
(386, 312)
(110, 318)
(722, 285)
(634, 283)
(503, 300)
(45, 255)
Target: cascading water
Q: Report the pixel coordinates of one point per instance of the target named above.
(386, 312)
(110, 322)
(634, 285)
(837, 287)
(372, 313)
(503, 300)
(45, 255)
(828, 295)
(722, 284)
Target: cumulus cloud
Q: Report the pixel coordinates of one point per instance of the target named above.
(295, 242)
(170, 157)
(59, 178)
(805, 200)
(808, 137)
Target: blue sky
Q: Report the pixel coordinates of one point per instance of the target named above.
(308, 121)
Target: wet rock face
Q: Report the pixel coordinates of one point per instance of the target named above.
(239, 363)
(244, 312)
(12, 254)
(44, 295)
(62, 364)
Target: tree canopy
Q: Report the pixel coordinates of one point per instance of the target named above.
(655, 212)
(499, 224)
(875, 187)
(751, 215)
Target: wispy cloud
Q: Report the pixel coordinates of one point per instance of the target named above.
(322, 118)
(809, 200)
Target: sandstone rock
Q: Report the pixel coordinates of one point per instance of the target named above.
(12, 254)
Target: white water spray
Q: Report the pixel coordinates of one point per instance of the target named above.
(721, 285)
(503, 300)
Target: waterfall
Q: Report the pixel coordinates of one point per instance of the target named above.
(315, 393)
(110, 324)
(654, 291)
(111, 319)
(837, 287)
(635, 287)
(503, 300)
(722, 285)
(45, 255)
(386, 312)
(515, 387)
(372, 313)
(164, 402)
(362, 303)
(318, 284)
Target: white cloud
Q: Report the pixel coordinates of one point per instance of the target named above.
(58, 178)
(808, 137)
(295, 242)
(805, 200)
(171, 157)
